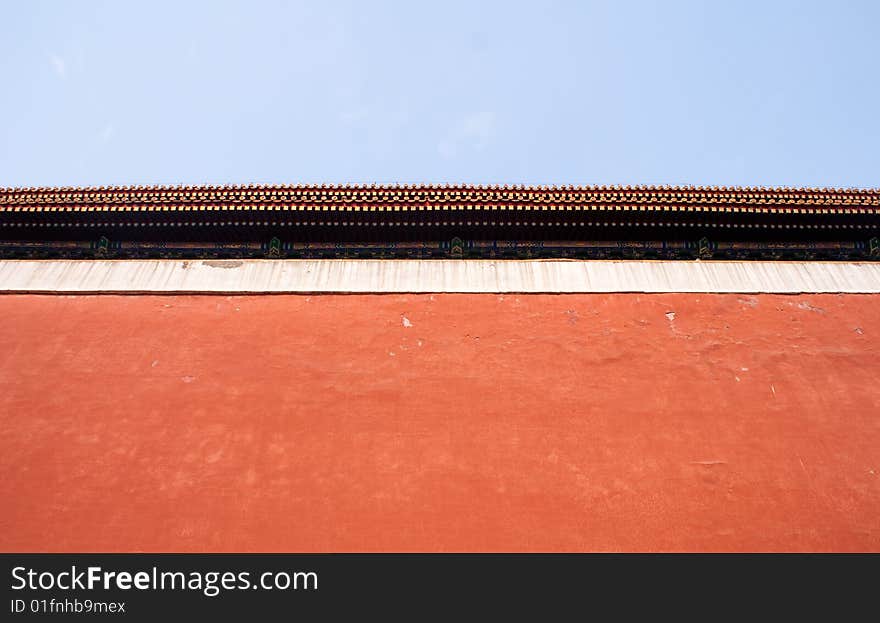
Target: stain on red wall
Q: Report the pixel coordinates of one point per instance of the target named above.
(439, 423)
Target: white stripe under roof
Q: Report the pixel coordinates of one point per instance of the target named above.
(388, 276)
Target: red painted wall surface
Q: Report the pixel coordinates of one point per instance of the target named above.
(444, 422)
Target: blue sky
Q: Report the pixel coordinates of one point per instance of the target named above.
(732, 93)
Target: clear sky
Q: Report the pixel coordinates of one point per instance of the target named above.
(579, 92)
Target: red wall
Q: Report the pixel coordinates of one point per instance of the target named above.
(444, 422)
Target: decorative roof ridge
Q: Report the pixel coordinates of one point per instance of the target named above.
(442, 187)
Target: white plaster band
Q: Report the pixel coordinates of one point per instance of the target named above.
(389, 276)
